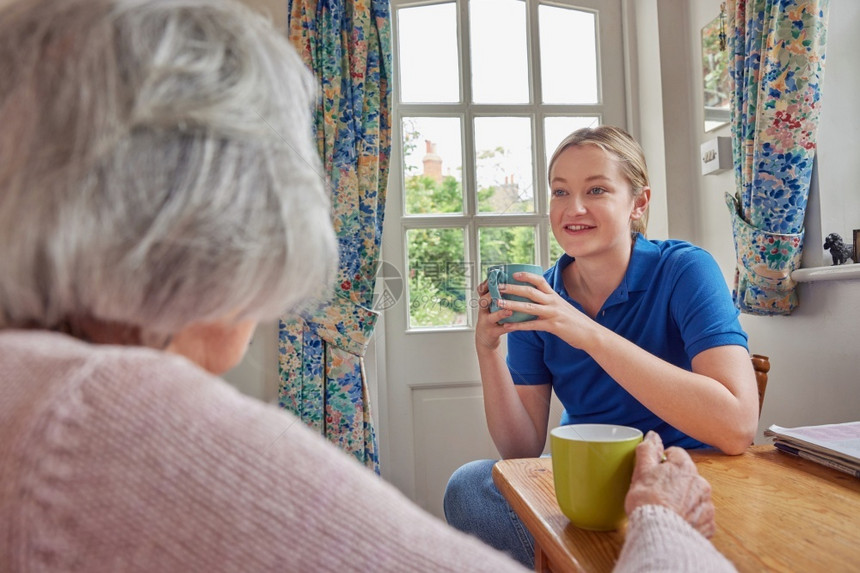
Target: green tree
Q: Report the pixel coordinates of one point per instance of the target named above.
(427, 304)
(437, 263)
(424, 195)
(437, 257)
(507, 245)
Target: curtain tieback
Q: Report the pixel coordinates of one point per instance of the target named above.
(343, 324)
(763, 283)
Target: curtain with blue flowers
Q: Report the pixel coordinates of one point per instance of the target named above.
(347, 44)
(776, 62)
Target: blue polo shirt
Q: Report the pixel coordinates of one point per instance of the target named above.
(673, 302)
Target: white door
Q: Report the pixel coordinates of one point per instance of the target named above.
(484, 90)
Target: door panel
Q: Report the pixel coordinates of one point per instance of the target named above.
(449, 430)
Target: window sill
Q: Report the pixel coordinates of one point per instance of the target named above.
(846, 271)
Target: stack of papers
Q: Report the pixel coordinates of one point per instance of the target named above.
(833, 445)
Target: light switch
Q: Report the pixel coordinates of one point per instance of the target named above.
(716, 155)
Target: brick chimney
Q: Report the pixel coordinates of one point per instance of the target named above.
(432, 162)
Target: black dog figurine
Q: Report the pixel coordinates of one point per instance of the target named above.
(839, 251)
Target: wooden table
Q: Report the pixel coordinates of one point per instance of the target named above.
(774, 512)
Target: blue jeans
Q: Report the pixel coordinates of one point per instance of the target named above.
(473, 504)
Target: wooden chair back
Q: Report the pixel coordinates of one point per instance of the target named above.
(761, 365)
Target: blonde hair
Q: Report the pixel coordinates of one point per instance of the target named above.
(621, 146)
(158, 166)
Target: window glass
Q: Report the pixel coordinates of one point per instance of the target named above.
(558, 127)
(568, 55)
(427, 54)
(503, 164)
(432, 165)
(438, 277)
(498, 245)
(499, 51)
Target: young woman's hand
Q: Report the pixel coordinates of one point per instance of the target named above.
(488, 332)
(554, 314)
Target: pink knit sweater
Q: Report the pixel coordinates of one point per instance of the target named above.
(129, 459)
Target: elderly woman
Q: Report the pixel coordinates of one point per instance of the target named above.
(159, 194)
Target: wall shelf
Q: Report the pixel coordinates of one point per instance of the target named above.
(846, 271)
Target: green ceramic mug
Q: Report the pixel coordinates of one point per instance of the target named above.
(592, 465)
(504, 274)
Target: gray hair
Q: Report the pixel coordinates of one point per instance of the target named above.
(157, 166)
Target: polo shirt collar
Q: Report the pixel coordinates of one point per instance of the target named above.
(640, 271)
(643, 264)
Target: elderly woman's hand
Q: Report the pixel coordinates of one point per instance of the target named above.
(669, 478)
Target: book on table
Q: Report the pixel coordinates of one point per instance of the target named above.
(833, 445)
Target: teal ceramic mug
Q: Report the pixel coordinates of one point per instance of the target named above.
(504, 274)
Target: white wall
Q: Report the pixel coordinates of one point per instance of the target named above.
(646, 119)
(274, 9)
(815, 365)
(839, 135)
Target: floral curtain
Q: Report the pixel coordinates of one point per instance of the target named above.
(776, 62)
(347, 44)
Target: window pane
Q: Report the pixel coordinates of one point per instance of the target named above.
(438, 277)
(432, 165)
(427, 50)
(503, 163)
(499, 245)
(566, 78)
(557, 128)
(499, 51)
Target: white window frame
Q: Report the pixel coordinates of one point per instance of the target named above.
(471, 220)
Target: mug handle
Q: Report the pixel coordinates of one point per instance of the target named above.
(493, 276)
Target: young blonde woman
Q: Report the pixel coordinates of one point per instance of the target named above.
(629, 331)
